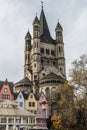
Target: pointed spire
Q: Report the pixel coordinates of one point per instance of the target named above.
(44, 30)
(6, 82)
(36, 20)
(28, 35)
(58, 26)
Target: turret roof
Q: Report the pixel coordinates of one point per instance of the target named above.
(58, 26)
(36, 20)
(28, 35)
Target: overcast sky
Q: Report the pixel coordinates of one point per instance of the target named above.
(16, 16)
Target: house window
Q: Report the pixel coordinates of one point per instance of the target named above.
(5, 96)
(31, 111)
(29, 104)
(31, 96)
(8, 96)
(34, 111)
(5, 89)
(21, 104)
(20, 96)
(33, 104)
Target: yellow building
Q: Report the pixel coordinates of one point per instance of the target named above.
(31, 103)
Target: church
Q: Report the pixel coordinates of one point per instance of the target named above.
(44, 61)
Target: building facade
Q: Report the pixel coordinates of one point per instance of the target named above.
(44, 61)
(14, 118)
(6, 90)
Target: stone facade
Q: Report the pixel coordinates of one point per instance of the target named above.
(44, 60)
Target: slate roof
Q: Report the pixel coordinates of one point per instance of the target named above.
(28, 35)
(36, 20)
(24, 81)
(58, 26)
(9, 83)
(44, 30)
(25, 95)
(15, 96)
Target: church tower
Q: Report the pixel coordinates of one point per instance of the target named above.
(60, 49)
(44, 66)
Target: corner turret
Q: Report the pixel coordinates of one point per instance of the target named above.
(58, 30)
(28, 41)
(36, 28)
(27, 52)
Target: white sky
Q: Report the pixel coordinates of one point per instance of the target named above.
(16, 16)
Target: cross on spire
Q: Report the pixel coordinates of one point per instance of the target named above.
(42, 4)
(58, 20)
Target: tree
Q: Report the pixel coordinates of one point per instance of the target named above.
(57, 122)
(66, 105)
(78, 75)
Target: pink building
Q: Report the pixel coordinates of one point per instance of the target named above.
(42, 111)
(6, 90)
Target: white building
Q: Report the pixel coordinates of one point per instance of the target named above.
(13, 118)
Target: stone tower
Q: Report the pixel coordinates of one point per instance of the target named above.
(44, 66)
(60, 49)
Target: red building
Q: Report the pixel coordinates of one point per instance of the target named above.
(6, 90)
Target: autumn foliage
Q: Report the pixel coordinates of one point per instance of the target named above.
(57, 122)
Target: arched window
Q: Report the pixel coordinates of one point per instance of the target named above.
(61, 69)
(59, 49)
(53, 93)
(37, 44)
(47, 91)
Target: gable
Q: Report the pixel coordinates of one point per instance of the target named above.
(5, 89)
(48, 70)
(9, 83)
(20, 96)
(31, 97)
(42, 97)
